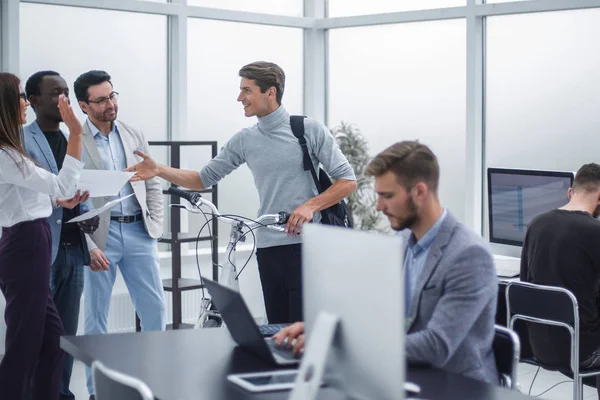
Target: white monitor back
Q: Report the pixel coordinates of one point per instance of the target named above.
(357, 276)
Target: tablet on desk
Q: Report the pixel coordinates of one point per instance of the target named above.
(265, 381)
(283, 380)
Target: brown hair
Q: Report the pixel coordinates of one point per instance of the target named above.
(266, 74)
(11, 126)
(410, 161)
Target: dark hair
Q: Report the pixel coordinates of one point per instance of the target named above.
(587, 178)
(87, 79)
(410, 161)
(32, 87)
(11, 125)
(265, 74)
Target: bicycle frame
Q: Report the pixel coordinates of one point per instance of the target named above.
(229, 274)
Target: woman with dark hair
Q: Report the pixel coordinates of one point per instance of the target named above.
(33, 327)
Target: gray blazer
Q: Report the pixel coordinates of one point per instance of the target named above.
(451, 319)
(148, 193)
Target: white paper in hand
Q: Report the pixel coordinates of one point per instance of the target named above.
(98, 211)
(100, 183)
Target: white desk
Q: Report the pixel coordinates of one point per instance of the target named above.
(505, 264)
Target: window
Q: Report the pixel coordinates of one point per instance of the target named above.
(542, 90)
(405, 82)
(131, 47)
(216, 52)
(542, 87)
(281, 7)
(344, 8)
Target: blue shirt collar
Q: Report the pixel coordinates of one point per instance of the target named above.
(95, 131)
(428, 237)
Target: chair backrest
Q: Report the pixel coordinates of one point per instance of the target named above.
(112, 385)
(549, 305)
(507, 348)
(541, 302)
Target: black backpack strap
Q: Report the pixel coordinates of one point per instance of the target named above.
(297, 124)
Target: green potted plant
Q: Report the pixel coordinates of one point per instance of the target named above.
(363, 201)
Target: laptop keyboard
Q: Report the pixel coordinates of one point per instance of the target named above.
(284, 352)
(271, 329)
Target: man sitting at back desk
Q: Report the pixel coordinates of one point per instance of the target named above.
(561, 248)
(449, 274)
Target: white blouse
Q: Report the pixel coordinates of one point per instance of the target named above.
(25, 189)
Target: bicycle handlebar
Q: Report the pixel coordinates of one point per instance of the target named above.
(193, 197)
(196, 200)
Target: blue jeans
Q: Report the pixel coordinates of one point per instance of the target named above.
(66, 286)
(131, 248)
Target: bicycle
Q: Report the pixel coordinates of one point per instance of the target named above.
(209, 316)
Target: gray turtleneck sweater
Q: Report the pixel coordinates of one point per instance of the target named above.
(274, 157)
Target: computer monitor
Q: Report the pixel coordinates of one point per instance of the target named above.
(357, 276)
(516, 196)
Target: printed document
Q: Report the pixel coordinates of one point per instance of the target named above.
(98, 211)
(101, 183)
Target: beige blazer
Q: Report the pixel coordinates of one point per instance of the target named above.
(148, 193)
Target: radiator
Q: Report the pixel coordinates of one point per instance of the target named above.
(121, 317)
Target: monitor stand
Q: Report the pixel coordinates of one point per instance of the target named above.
(310, 373)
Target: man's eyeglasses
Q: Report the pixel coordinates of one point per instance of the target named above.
(23, 96)
(103, 101)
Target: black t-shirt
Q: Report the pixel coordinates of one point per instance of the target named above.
(562, 248)
(58, 144)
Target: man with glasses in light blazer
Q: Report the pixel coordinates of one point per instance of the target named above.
(127, 232)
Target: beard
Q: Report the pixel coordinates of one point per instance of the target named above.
(105, 116)
(410, 219)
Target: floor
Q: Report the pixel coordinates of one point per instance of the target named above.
(543, 381)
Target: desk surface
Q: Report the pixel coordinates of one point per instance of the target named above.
(192, 364)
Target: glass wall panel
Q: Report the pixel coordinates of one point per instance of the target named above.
(131, 47)
(281, 7)
(405, 82)
(215, 55)
(344, 8)
(542, 90)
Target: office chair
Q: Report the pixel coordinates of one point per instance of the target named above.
(113, 385)
(550, 306)
(506, 347)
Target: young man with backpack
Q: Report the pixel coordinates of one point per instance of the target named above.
(283, 178)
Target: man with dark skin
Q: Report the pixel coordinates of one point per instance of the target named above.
(46, 144)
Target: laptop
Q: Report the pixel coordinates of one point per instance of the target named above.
(243, 329)
(268, 330)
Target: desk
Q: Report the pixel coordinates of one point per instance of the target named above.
(192, 364)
